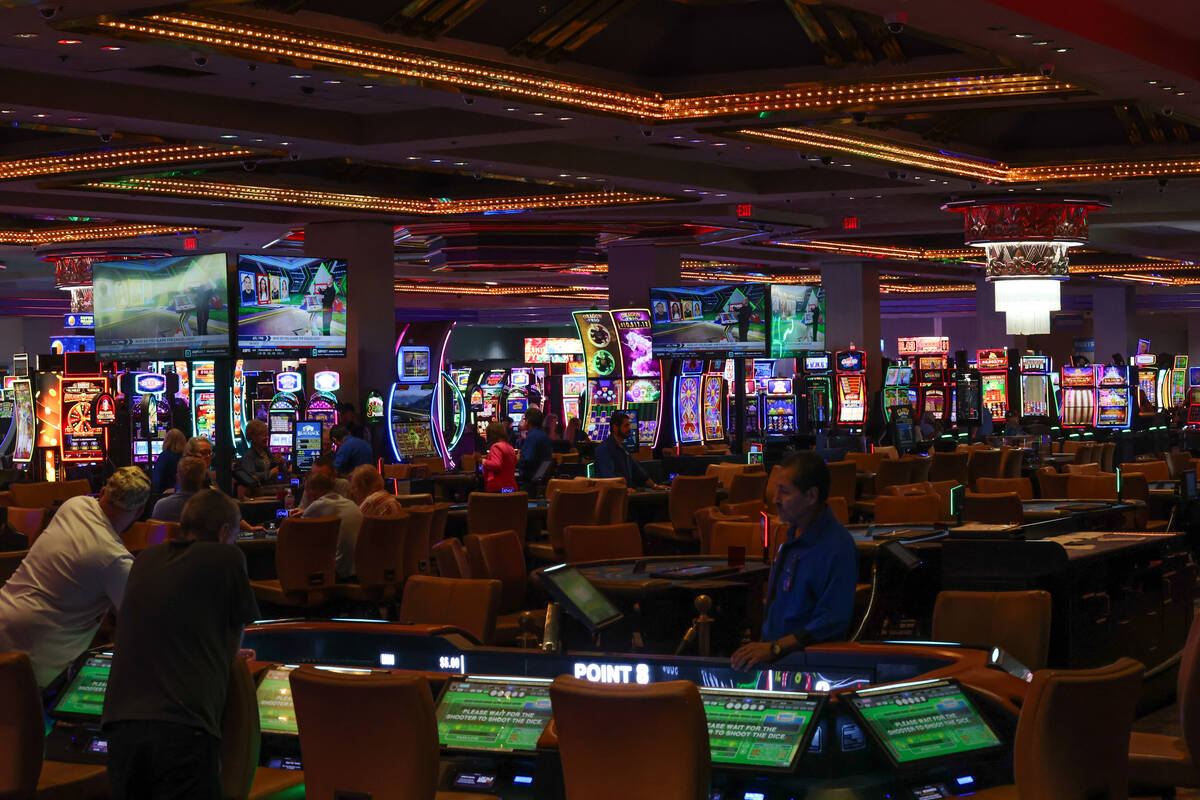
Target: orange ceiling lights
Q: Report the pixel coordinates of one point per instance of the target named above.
(149, 155)
(980, 169)
(266, 41)
(278, 195)
(87, 233)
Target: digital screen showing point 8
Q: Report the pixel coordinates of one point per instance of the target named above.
(276, 713)
(503, 715)
(756, 729)
(922, 722)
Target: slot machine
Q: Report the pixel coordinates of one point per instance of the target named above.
(602, 365)
(1193, 409)
(410, 404)
(1037, 399)
(1145, 383)
(968, 398)
(754, 388)
(779, 408)
(8, 409)
(1112, 396)
(642, 373)
(933, 387)
(712, 402)
(818, 391)
(461, 378)
(1078, 396)
(1179, 383)
(491, 396)
(203, 395)
(850, 372)
(520, 391)
(895, 388)
(84, 438)
(283, 411)
(687, 402)
(150, 415)
(992, 365)
(322, 403)
(574, 386)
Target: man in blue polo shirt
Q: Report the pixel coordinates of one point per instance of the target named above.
(612, 461)
(351, 451)
(810, 596)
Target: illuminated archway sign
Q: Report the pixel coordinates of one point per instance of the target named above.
(1026, 240)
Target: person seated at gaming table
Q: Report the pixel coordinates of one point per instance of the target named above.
(612, 460)
(258, 466)
(810, 594)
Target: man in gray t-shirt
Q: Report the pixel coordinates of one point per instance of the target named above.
(328, 503)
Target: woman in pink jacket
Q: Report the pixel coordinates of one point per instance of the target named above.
(500, 465)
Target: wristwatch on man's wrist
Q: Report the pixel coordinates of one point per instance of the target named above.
(776, 650)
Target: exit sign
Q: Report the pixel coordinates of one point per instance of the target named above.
(745, 210)
(850, 223)
(189, 243)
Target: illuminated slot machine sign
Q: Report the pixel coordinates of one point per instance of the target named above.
(968, 400)
(1035, 386)
(204, 399)
(322, 404)
(642, 372)
(993, 366)
(238, 400)
(1078, 396)
(712, 402)
(818, 389)
(602, 366)
(687, 403)
(490, 392)
(410, 405)
(1179, 382)
(780, 407)
(1145, 366)
(24, 421)
(517, 403)
(1193, 411)
(7, 415)
(82, 441)
(573, 389)
(850, 367)
(283, 412)
(753, 388)
(1112, 396)
(603, 397)
(152, 416)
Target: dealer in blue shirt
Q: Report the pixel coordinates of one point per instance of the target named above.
(613, 461)
(810, 596)
(351, 451)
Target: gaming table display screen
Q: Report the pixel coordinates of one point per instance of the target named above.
(581, 599)
(84, 696)
(797, 320)
(917, 722)
(291, 306)
(710, 320)
(276, 714)
(161, 308)
(493, 715)
(762, 730)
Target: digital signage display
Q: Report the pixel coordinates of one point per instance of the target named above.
(291, 306)
(25, 421)
(633, 331)
(797, 320)
(82, 440)
(712, 320)
(161, 308)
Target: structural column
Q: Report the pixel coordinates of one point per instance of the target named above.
(1111, 309)
(990, 330)
(1193, 338)
(852, 313)
(370, 361)
(635, 268)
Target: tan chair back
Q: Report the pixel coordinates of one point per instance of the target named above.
(417, 535)
(1106, 454)
(921, 509)
(465, 603)
(892, 473)
(1000, 508)
(556, 485)
(379, 552)
(1085, 454)
(304, 556)
(748, 508)
(29, 522)
(840, 511)
(724, 473)
(888, 451)
(866, 462)
(451, 559)
(134, 537)
(492, 512)
(433, 464)
(37, 494)
(983, 464)
(240, 733)
(366, 735)
(503, 558)
(1091, 468)
(1018, 622)
(469, 462)
(709, 516)
(1010, 466)
(601, 542)
(1022, 486)
(399, 472)
(843, 480)
(657, 733)
(1179, 462)
(1092, 487)
(689, 493)
(747, 535)
(437, 525)
(920, 468)
(159, 531)
(408, 500)
(949, 466)
(747, 486)
(1153, 470)
(1073, 733)
(21, 732)
(570, 508)
(613, 506)
(1051, 483)
(1134, 486)
(644, 453)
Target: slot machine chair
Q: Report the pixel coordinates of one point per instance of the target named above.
(1161, 762)
(1018, 622)
(601, 542)
(241, 777)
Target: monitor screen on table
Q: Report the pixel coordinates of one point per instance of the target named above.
(918, 722)
(84, 696)
(758, 730)
(579, 597)
(493, 714)
(291, 306)
(162, 308)
(276, 713)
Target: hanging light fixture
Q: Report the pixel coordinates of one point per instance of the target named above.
(1026, 241)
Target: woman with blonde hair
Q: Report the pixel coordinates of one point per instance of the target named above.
(166, 465)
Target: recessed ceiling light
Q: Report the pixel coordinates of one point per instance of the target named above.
(847, 165)
(696, 141)
(40, 116)
(537, 114)
(331, 82)
(366, 86)
(76, 119)
(720, 144)
(112, 48)
(510, 108)
(1152, 82)
(1037, 188)
(436, 160)
(256, 140)
(1180, 94)
(563, 175)
(26, 35)
(70, 41)
(1063, 49)
(1022, 35)
(7, 111)
(582, 177)
(414, 158)
(1167, 88)
(299, 76)
(228, 135)
(460, 163)
(676, 137)
(284, 144)
(690, 190)
(1011, 189)
(1041, 42)
(565, 119)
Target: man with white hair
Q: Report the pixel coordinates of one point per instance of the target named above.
(75, 572)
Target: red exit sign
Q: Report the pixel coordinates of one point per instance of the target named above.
(745, 210)
(850, 223)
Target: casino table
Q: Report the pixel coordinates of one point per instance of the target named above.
(1049, 515)
(868, 537)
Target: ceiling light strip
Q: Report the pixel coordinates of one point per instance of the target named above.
(276, 195)
(277, 43)
(83, 234)
(114, 159)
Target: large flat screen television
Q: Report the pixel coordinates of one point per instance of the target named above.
(797, 320)
(161, 308)
(291, 306)
(710, 320)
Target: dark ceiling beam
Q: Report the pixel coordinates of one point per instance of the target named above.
(1150, 120)
(1133, 131)
(888, 44)
(599, 23)
(570, 28)
(815, 32)
(430, 18)
(845, 28)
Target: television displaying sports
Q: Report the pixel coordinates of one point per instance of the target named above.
(797, 320)
(161, 308)
(291, 306)
(710, 320)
